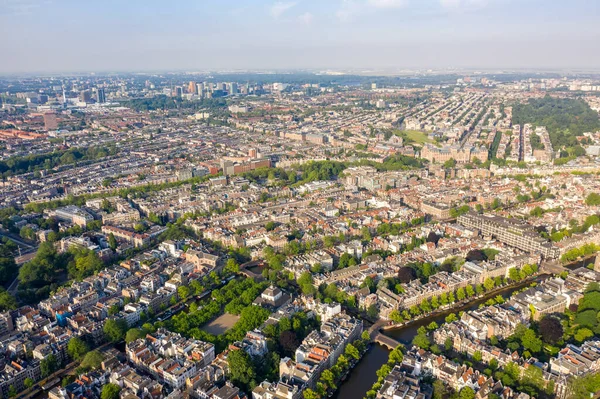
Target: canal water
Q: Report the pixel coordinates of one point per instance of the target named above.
(363, 376)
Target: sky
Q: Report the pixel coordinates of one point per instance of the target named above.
(203, 35)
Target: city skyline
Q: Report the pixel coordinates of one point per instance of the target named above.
(65, 36)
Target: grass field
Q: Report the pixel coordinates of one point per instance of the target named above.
(221, 324)
(414, 136)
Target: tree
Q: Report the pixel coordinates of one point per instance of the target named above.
(49, 365)
(582, 334)
(449, 164)
(305, 281)
(7, 301)
(183, 292)
(582, 387)
(328, 378)
(406, 274)
(477, 356)
(232, 266)
(593, 199)
(460, 293)
(489, 284)
(92, 360)
(28, 383)
(513, 274)
(133, 334)
(396, 356)
(289, 342)
(439, 390)
(493, 364)
(115, 330)
(365, 234)
(110, 391)
(422, 341)
(352, 352)
(469, 291)
(12, 391)
(466, 393)
(531, 342)
(373, 312)
(241, 368)
(475, 255)
(551, 330)
(112, 242)
(76, 348)
(310, 394)
(86, 263)
(369, 283)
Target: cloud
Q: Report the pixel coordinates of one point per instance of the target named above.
(279, 8)
(387, 3)
(463, 4)
(306, 18)
(20, 7)
(348, 10)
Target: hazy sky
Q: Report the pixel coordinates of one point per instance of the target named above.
(122, 35)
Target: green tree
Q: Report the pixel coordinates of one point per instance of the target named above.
(115, 330)
(92, 360)
(422, 341)
(241, 368)
(232, 266)
(352, 352)
(310, 394)
(112, 242)
(489, 284)
(582, 334)
(469, 291)
(329, 379)
(28, 382)
(440, 391)
(110, 391)
(531, 342)
(466, 393)
(449, 164)
(133, 334)
(7, 301)
(76, 348)
(183, 292)
(593, 199)
(49, 365)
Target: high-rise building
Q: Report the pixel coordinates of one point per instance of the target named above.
(50, 121)
(233, 89)
(178, 91)
(192, 88)
(100, 96)
(85, 96)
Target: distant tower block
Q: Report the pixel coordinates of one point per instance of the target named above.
(253, 153)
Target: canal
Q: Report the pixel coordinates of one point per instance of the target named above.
(363, 376)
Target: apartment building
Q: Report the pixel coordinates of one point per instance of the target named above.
(512, 232)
